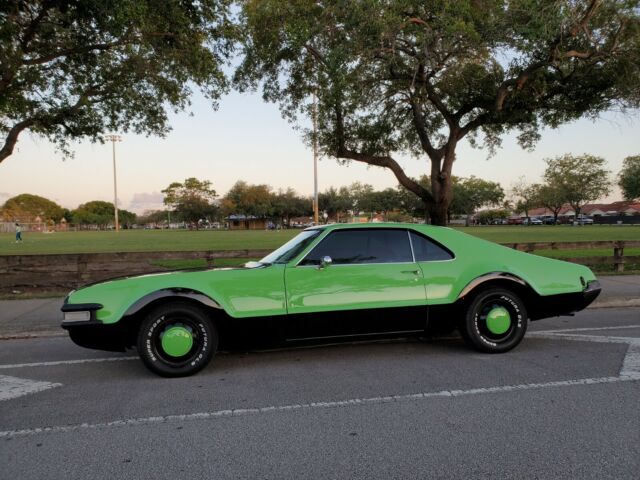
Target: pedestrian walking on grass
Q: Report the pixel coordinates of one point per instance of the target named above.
(18, 233)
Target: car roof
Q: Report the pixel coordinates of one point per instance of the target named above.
(343, 226)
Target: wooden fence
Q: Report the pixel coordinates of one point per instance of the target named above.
(65, 271)
(617, 259)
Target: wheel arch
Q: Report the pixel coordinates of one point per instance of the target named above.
(159, 296)
(499, 279)
(133, 316)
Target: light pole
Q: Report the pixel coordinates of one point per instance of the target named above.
(113, 139)
(315, 160)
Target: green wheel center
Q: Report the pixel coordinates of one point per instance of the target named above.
(177, 341)
(498, 320)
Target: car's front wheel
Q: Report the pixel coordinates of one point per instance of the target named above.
(177, 339)
(495, 321)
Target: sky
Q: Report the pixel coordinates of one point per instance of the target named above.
(247, 139)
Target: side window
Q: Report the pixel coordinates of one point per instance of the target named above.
(362, 246)
(426, 250)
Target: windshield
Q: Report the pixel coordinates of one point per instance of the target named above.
(292, 248)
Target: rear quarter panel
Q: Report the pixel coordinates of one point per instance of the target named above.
(475, 257)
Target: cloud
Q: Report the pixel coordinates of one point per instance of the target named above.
(4, 196)
(142, 202)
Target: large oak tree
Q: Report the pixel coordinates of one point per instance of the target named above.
(403, 77)
(76, 69)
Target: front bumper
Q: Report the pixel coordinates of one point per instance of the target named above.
(91, 333)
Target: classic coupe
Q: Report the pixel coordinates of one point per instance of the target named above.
(342, 280)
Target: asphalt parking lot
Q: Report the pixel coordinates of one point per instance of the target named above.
(564, 404)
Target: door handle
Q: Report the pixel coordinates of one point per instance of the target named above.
(415, 272)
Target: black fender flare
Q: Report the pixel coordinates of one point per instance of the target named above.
(171, 293)
(487, 277)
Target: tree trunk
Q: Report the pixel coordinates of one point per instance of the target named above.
(438, 214)
(441, 187)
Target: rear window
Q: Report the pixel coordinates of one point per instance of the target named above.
(427, 250)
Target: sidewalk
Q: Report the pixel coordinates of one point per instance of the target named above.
(42, 316)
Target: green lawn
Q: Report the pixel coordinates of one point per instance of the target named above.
(179, 240)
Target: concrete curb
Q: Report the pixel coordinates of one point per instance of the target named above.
(617, 303)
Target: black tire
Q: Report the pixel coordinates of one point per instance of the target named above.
(477, 330)
(181, 315)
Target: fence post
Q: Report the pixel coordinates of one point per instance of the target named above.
(618, 257)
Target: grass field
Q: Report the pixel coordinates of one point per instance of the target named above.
(181, 240)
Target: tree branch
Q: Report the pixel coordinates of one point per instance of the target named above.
(12, 137)
(520, 80)
(418, 122)
(384, 161)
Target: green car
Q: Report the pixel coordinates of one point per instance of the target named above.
(331, 281)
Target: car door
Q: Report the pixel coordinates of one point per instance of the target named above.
(371, 284)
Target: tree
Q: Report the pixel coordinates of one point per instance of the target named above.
(552, 197)
(286, 204)
(27, 207)
(153, 216)
(629, 178)
(249, 200)
(73, 70)
(582, 178)
(419, 77)
(385, 201)
(411, 204)
(473, 193)
(526, 196)
(101, 213)
(191, 200)
(335, 202)
(362, 197)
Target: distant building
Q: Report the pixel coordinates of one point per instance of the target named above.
(246, 222)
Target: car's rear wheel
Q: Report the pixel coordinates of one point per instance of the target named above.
(495, 321)
(177, 339)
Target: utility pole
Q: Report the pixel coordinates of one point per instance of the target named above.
(315, 160)
(113, 139)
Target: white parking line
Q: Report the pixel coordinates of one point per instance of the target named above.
(586, 329)
(310, 406)
(66, 362)
(630, 371)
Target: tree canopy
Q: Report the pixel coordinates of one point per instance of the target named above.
(581, 178)
(629, 178)
(192, 200)
(250, 200)
(405, 77)
(98, 212)
(27, 207)
(72, 70)
(473, 193)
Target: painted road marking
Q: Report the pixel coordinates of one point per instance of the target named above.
(586, 329)
(66, 362)
(240, 412)
(630, 371)
(14, 387)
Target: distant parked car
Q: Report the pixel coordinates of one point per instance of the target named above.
(585, 220)
(514, 221)
(550, 220)
(532, 221)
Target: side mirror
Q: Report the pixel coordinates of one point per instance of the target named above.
(325, 261)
